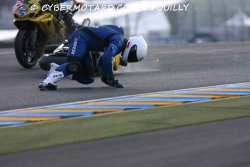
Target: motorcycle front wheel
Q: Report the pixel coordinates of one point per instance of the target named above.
(26, 56)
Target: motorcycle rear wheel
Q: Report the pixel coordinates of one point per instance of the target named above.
(50, 48)
(45, 61)
(59, 59)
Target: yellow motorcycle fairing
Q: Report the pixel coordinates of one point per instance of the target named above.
(44, 21)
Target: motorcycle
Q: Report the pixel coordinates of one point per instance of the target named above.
(36, 29)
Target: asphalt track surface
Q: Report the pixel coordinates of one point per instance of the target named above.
(168, 67)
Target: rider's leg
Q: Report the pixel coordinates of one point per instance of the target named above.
(77, 50)
(76, 53)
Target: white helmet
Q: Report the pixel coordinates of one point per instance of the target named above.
(136, 49)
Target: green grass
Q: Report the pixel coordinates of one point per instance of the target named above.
(85, 129)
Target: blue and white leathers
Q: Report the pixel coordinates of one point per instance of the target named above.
(108, 39)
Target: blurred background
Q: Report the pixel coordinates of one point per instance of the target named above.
(6, 14)
(204, 21)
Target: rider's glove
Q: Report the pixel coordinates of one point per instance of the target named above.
(110, 80)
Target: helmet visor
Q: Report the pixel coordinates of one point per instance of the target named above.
(132, 56)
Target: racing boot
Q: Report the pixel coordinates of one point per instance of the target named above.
(110, 80)
(50, 82)
(53, 67)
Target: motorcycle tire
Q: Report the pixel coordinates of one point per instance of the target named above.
(21, 47)
(50, 48)
(45, 61)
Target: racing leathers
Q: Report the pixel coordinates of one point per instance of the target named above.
(108, 39)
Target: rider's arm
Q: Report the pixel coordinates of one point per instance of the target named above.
(106, 59)
(115, 47)
(107, 66)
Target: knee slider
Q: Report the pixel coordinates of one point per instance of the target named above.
(74, 64)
